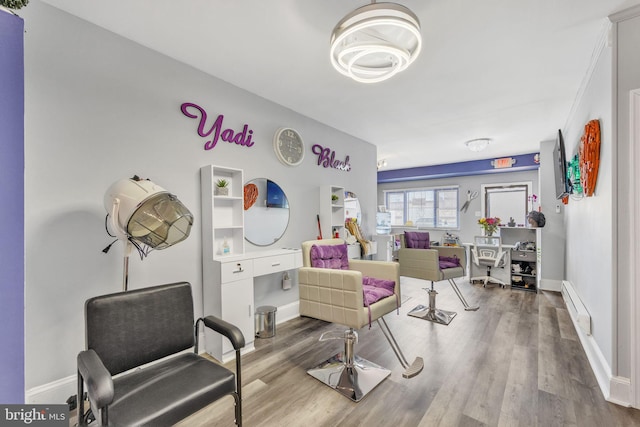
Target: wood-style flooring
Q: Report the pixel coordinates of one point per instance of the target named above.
(517, 361)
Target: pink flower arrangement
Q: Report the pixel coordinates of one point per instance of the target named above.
(490, 225)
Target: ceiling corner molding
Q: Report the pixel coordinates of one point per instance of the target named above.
(625, 14)
(605, 39)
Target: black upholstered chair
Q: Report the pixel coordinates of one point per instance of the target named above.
(127, 330)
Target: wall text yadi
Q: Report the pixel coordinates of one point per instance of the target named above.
(216, 131)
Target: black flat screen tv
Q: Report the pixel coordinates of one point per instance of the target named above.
(563, 185)
(275, 196)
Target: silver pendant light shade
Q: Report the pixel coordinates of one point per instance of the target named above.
(375, 42)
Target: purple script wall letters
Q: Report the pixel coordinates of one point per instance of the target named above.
(240, 138)
(326, 158)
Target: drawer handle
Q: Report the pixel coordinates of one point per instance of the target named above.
(239, 270)
(275, 264)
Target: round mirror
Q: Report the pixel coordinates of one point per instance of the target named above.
(266, 212)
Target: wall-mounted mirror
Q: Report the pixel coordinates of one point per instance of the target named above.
(266, 212)
(505, 201)
(352, 207)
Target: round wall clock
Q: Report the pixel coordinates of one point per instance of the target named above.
(288, 146)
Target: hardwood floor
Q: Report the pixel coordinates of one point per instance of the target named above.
(517, 361)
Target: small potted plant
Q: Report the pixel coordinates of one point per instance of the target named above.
(222, 187)
(334, 198)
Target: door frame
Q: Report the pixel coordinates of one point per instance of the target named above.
(634, 137)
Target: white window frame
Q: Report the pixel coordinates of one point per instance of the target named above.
(435, 189)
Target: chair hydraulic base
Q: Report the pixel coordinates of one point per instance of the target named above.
(432, 313)
(443, 317)
(437, 315)
(353, 380)
(350, 375)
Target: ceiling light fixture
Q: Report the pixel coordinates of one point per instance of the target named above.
(375, 42)
(477, 144)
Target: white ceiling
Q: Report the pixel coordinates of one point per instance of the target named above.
(508, 70)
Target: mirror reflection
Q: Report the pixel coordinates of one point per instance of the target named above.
(352, 207)
(266, 212)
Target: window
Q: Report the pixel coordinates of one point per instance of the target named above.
(425, 207)
(506, 201)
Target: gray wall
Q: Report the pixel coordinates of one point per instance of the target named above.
(589, 222)
(100, 108)
(552, 236)
(468, 221)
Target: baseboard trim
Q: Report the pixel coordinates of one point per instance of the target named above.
(55, 392)
(620, 393)
(288, 312)
(614, 389)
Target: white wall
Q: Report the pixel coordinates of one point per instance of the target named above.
(627, 78)
(100, 108)
(589, 222)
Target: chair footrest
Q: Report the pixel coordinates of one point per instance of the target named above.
(415, 368)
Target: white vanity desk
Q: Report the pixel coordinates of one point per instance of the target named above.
(230, 293)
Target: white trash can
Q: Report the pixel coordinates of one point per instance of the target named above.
(265, 321)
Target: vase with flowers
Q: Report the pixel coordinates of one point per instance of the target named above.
(489, 225)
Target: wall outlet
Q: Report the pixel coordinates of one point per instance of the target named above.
(557, 208)
(478, 214)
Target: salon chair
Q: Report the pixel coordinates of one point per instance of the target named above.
(333, 288)
(420, 260)
(487, 253)
(127, 330)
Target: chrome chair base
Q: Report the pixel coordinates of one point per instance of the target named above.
(436, 315)
(353, 381)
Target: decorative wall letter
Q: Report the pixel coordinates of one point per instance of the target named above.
(326, 158)
(240, 138)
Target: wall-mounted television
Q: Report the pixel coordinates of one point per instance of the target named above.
(563, 185)
(275, 196)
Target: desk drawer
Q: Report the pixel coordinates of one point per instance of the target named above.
(523, 256)
(272, 264)
(236, 270)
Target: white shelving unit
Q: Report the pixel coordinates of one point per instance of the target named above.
(223, 216)
(228, 279)
(332, 211)
(524, 260)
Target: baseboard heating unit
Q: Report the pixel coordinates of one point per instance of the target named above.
(576, 308)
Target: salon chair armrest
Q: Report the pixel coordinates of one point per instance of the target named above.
(454, 251)
(96, 378)
(378, 269)
(227, 329)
